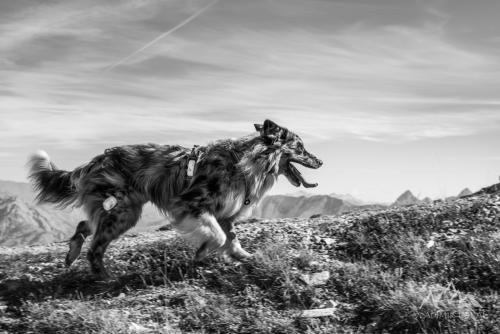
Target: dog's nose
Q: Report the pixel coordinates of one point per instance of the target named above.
(320, 163)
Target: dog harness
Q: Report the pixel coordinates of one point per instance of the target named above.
(192, 160)
(109, 203)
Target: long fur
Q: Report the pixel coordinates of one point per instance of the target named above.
(245, 167)
(230, 177)
(52, 185)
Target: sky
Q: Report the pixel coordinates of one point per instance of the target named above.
(390, 94)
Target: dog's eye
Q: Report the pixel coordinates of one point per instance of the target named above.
(300, 147)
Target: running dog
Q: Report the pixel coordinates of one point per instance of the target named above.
(204, 189)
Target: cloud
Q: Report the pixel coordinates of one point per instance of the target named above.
(373, 78)
(163, 35)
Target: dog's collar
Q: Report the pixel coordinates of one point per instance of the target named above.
(247, 193)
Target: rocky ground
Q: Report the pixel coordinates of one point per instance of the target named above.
(429, 268)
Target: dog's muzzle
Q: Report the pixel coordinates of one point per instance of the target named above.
(293, 174)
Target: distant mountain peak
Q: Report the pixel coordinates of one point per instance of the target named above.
(349, 198)
(427, 200)
(406, 198)
(465, 192)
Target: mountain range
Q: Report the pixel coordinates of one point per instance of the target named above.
(287, 206)
(303, 204)
(407, 198)
(22, 222)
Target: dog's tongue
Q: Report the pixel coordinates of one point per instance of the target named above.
(308, 185)
(299, 176)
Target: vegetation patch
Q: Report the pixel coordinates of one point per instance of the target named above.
(430, 268)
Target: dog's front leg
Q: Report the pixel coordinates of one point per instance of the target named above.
(203, 231)
(232, 247)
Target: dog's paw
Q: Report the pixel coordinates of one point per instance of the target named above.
(75, 247)
(241, 255)
(236, 257)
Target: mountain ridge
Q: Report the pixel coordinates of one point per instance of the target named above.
(300, 204)
(287, 206)
(45, 223)
(406, 198)
(23, 223)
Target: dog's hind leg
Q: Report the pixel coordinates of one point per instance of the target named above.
(203, 232)
(83, 230)
(232, 247)
(110, 225)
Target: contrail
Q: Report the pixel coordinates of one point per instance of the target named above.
(166, 33)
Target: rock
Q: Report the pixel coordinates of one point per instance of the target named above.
(329, 241)
(136, 328)
(317, 239)
(315, 279)
(329, 304)
(318, 312)
(464, 193)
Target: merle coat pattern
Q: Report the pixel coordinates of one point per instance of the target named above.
(230, 178)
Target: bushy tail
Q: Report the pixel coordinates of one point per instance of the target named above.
(50, 184)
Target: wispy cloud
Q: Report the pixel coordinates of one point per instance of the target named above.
(395, 88)
(369, 79)
(163, 35)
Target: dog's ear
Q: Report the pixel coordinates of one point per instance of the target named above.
(272, 131)
(271, 128)
(258, 127)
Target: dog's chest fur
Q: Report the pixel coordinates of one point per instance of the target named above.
(240, 198)
(239, 203)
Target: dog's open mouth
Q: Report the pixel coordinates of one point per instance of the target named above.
(295, 177)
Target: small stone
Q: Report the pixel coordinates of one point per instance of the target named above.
(133, 327)
(313, 264)
(329, 304)
(329, 241)
(315, 279)
(318, 312)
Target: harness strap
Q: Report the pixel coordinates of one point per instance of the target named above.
(192, 161)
